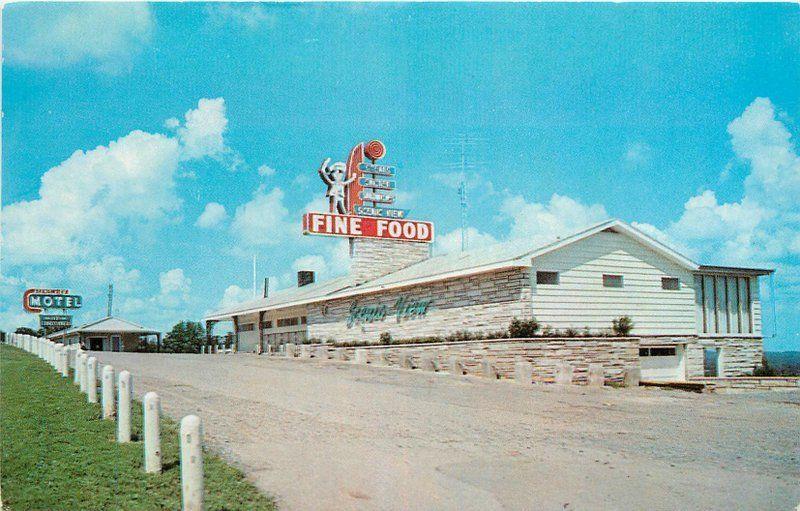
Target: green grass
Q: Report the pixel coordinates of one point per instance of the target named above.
(57, 452)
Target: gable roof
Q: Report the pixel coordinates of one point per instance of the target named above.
(485, 259)
(108, 324)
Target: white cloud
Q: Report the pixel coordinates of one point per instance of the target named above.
(108, 270)
(637, 154)
(315, 263)
(247, 16)
(264, 220)
(175, 288)
(213, 215)
(109, 35)
(235, 295)
(763, 225)
(451, 242)
(94, 196)
(538, 223)
(87, 199)
(172, 123)
(202, 132)
(266, 171)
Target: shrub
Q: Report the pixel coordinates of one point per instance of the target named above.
(385, 338)
(622, 326)
(587, 332)
(571, 332)
(523, 329)
(765, 369)
(185, 337)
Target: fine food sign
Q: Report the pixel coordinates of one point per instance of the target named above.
(329, 224)
(35, 300)
(359, 195)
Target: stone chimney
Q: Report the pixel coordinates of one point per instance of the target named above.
(372, 258)
(304, 278)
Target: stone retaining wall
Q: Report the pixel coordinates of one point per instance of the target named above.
(749, 384)
(739, 356)
(615, 355)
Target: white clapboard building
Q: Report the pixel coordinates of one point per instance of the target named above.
(689, 318)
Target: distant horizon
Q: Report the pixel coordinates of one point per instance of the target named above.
(181, 139)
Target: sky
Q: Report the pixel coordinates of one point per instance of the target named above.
(161, 146)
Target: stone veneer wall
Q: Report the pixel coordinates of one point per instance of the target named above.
(749, 384)
(739, 355)
(615, 354)
(479, 303)
(373, 258)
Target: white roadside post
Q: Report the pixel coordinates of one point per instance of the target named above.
(83, 360)
(108, 392)
(124, 408)
(77, 375)
(61, 359)
(91, 380)
(192, 463)
(152, 434)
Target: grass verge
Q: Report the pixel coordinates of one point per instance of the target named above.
(57, 452)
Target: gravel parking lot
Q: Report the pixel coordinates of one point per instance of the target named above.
(333, 435)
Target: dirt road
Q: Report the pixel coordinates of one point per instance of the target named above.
(332, 435)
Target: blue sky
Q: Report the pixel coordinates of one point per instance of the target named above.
(160, 146)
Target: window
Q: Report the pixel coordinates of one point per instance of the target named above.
(657, 351)
(266, 324)
(247, 327)
(670, 283)
(547, 277)
(723, 304)
(303, 320)
(612, 280)
(288, 322)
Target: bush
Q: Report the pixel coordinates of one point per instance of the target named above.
(385, 338)
(570, 332)
(765, 369)
(30, 331)
(523, 329)
(185, 337)
(622, 326)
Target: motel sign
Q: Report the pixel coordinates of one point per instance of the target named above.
(36, 300)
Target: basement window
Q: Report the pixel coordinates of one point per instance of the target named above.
(247, 327)
(659, 351)
(549, 278)
(670, 283)
(612, 280)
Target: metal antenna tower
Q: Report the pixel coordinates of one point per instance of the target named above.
(110, 298)
(464, 143)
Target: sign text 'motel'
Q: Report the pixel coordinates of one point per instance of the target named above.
(367, 227)
(35, 300)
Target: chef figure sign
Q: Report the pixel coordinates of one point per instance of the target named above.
(334, 177)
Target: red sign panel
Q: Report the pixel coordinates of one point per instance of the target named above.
(367, 227)
(354, 189)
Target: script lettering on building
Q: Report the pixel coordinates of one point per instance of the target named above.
(404, 308)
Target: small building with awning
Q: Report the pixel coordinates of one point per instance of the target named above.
(106, 334)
